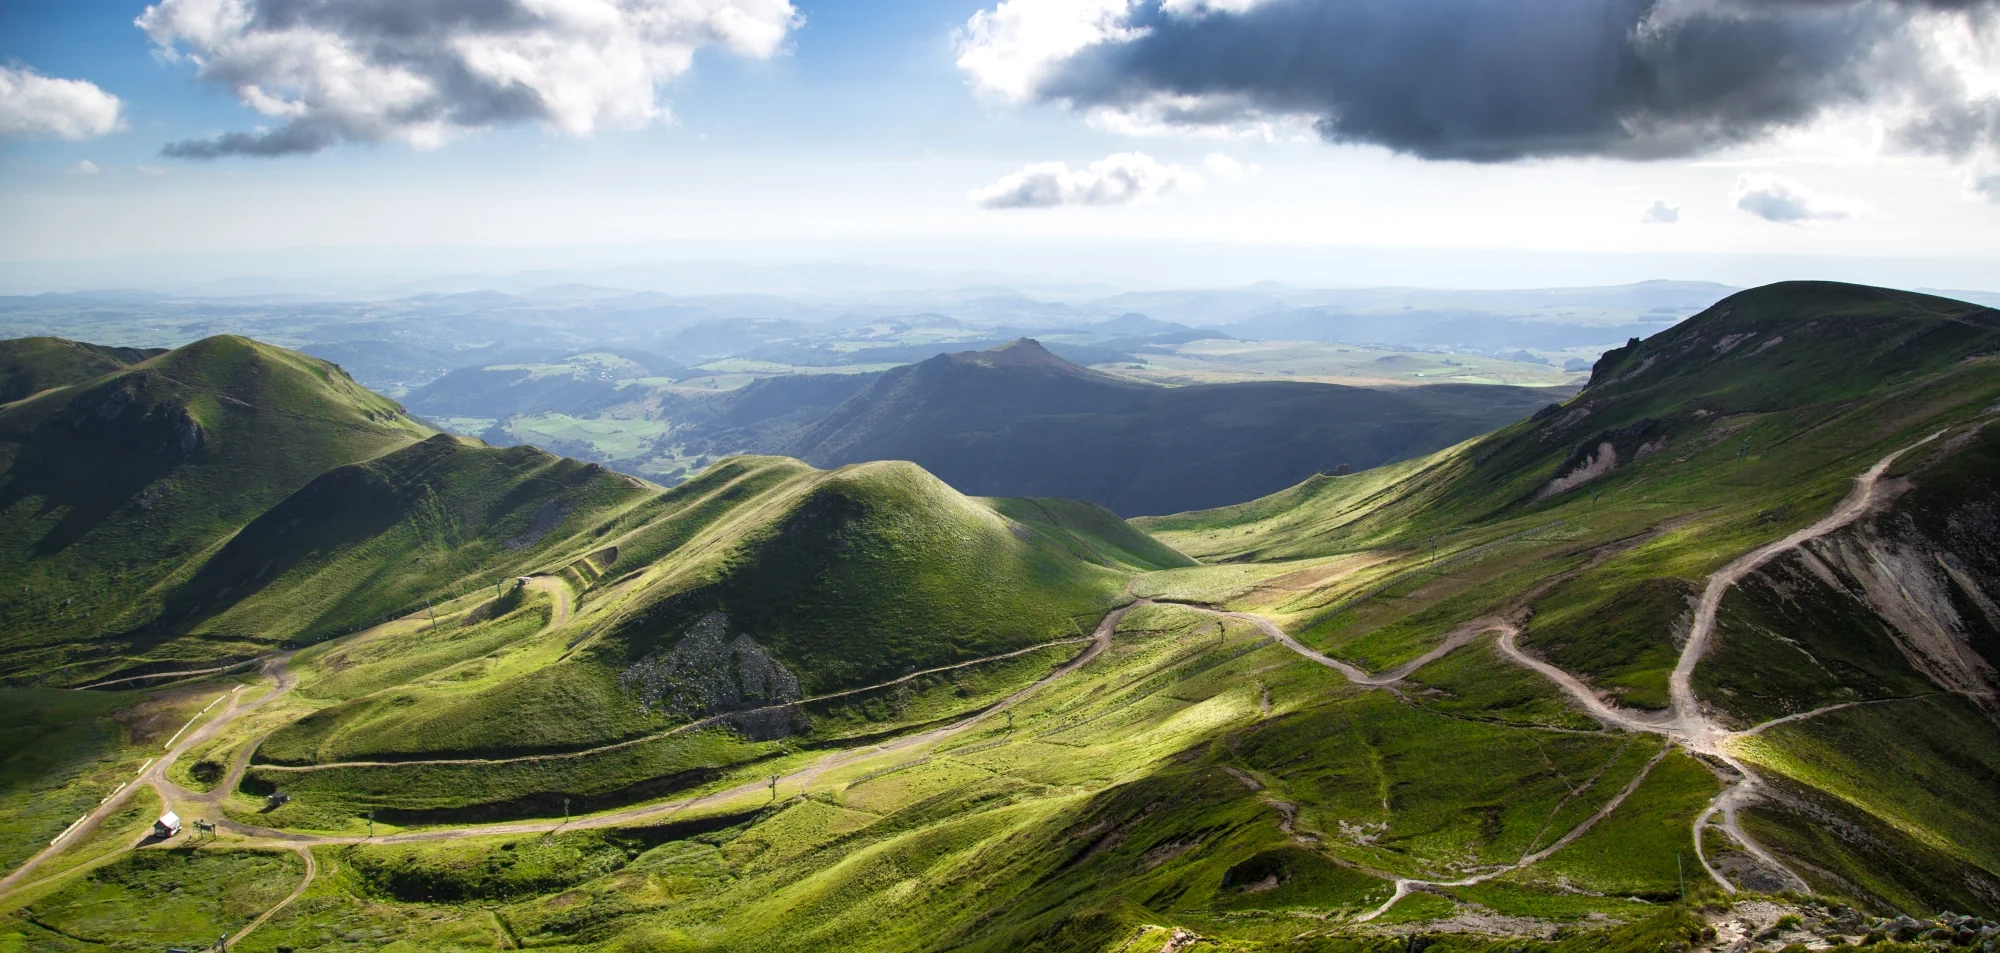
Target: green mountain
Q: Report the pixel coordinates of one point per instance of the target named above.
(1021, 421)
(1595, 526)
(29, 366)
(1702, 658)
(116, 489)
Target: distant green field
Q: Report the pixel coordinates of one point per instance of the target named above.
(1218, 361)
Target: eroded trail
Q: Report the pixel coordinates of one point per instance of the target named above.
(1695, 729)
(312, 870)
(1684, 723)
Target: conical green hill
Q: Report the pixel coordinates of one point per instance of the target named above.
(114, 489)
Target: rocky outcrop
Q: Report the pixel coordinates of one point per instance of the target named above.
(708, 673)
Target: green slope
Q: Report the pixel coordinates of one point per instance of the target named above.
(29, 366)
(1197, 784)
(114, 490)
(361, 542)
(1596, 526)
(843, 578)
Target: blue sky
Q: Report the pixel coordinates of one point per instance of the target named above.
(896, 123)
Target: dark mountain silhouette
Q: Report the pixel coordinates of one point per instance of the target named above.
(1018, 420)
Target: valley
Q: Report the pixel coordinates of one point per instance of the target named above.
(1706, 648)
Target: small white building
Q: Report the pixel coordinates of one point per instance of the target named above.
(169, 825)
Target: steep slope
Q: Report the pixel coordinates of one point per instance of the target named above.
(31, 365)
(371, 539)
(114, 490)
(1857, 668)
(1018, 420)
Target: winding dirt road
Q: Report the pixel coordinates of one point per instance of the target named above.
(1684, 723)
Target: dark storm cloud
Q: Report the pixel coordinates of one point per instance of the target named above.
(1501, 80)
(284, 141)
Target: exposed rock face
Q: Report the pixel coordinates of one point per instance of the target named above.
(188, 435)
(1922, 591)
(1603, 453)
(707, 673)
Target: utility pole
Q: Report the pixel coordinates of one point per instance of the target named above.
(774, 787)
(371, 823)
(1010, 722)
(565, 812)
(1682, 876)
(1434, 553)
(434, 615)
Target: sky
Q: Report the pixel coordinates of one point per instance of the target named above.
(1140, 143)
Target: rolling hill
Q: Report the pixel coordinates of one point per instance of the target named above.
(1700, 659)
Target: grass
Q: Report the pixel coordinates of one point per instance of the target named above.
(65, 751)
(153, 898)
(1921, 766)
(1476, 681)
(1195, 775)
(1633, 851)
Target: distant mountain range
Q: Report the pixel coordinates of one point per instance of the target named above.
(1019, 420)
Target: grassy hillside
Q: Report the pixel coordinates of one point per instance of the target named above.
(29, 366)
(842, 579)
(1596, 525)
(364, 541)
(115, 490)
(1429, 706)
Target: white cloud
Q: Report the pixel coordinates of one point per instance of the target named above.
(1778, 198)
(150, 169)
(1009, 50)
(1113, 180)
(84, 167)
(1227, 166)
(423, 72)
(1660, 213)
(33, 106)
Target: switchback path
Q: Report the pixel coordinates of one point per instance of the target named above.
(1692, 726)
(1684, 722)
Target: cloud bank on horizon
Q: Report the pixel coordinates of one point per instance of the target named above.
(1506, 80)
(1113, 180)
(424, 72)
